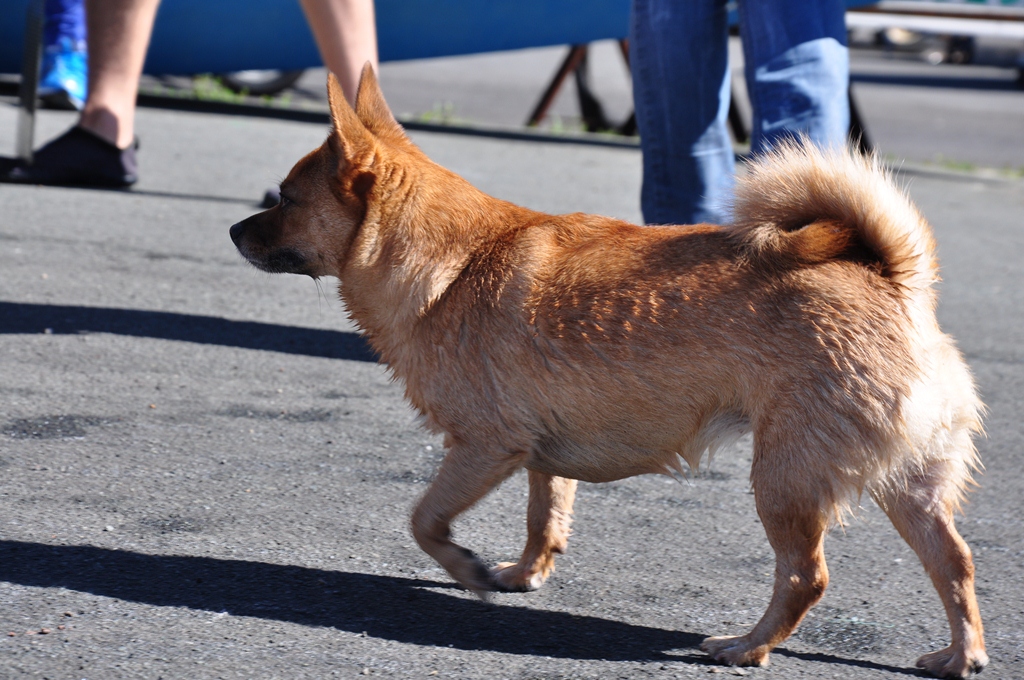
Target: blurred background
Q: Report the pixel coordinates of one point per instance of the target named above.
(934, 82)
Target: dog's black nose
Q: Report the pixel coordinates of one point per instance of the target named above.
(236, 232)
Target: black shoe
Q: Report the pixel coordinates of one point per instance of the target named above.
(59, 100)
(79, 158)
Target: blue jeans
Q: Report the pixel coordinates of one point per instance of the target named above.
(797, 72)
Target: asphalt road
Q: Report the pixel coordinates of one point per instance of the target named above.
(205, 475)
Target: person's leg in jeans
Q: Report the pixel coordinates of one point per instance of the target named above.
(797, 70)
(680, 66)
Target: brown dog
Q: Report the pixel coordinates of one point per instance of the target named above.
(583, 347)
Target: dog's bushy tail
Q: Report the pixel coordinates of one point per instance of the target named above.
(801, 205)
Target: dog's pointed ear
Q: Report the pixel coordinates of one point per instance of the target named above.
(373, 111)
(351, 141)
(349, 135)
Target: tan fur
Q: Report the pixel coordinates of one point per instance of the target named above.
(582, 347)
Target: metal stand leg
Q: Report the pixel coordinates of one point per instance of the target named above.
(591, 111)
(572, 60)
(858, 133)
(31, 57)
(736, 124)
(628, 128)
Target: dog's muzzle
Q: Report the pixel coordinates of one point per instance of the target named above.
(236, 233)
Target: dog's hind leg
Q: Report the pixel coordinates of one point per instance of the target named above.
(922, 512)
(465, 476)
(796, 524)
(548, 517)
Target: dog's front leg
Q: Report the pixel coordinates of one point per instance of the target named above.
(466, 475)
(548, 517)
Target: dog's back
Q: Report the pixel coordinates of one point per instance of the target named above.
(608, 349)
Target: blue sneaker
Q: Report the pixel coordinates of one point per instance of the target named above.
(64, 74)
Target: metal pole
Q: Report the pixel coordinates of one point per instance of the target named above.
(858, 133)
(30, 78)
(572, 60)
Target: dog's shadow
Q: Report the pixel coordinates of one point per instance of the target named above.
(406, 610)
(401, 609)
(29, 318)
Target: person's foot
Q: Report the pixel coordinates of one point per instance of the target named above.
(79, 158)
(64, 76)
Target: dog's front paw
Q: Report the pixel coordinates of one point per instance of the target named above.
(736, 651)
(953, 662)
(509, 577)
(472, 573)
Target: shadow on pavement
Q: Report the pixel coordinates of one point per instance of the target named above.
(254, 202)
(401, 609)
(407, 610)
(856, 663)
(25, 318)
(8, 163)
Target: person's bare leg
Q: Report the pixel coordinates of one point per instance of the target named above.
(119, 32)
(346, 35)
